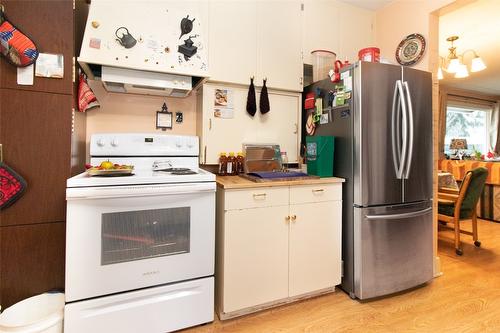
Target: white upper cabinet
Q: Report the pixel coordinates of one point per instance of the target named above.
(217, 134)
(279, 28)
(232, 29)
(256, 38)
(147, 36)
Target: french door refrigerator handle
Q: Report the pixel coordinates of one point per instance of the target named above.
(396, 153)
(404, 129)
(410, 134)
(399, 216)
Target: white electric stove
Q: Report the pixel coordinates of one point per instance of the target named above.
(140, 248)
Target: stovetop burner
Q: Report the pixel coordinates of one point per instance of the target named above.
(178, 171)
(175, 169)
(184, 172)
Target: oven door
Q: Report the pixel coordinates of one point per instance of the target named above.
(121, 238)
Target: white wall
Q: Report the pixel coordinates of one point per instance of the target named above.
(401, 18)
(336, 26)
(137, 113)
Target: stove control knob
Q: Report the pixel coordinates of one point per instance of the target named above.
(100, 143)
(178, 144)
(114, 143)
(190, 145)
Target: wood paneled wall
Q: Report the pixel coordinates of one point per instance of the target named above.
(36, 133)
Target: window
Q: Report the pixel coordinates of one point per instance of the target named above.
(468, 123)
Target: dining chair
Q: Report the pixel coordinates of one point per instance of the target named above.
(455, 205)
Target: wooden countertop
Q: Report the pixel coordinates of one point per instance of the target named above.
(236, 182)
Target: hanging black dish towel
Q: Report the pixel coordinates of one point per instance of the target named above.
(264, 99)
(251, 102)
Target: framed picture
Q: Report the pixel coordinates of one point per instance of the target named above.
(163, 120)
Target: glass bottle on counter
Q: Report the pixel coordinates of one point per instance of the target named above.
(240, 162)
(284, 161)
(222, 164)
(231, 165)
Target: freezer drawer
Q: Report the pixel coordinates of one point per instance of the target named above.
(393, 248)
(153, 310)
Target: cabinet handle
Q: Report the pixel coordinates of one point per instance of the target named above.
(321, 190)
(293, 217)
(205, 155)
(209, 124)
(301, 81)
(1, 152)
(261, 196)
(287, 218)
(296, 129)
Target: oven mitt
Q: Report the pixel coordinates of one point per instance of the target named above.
(251, 102)
(86, 97)
(264, 99)
(12, 186)
(15, 46)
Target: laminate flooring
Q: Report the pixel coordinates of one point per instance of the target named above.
(465, 299)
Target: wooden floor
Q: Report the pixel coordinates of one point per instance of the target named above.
(465, 299)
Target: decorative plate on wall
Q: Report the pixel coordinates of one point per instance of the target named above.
(410, 50)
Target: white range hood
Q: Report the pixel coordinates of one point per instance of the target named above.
(121, 80)
(143, 49)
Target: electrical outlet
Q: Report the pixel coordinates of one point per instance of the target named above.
(179, 117)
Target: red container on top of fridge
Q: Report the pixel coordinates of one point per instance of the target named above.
(371, 54)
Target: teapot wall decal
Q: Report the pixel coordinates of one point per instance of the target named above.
(126, 40)
(186, 26)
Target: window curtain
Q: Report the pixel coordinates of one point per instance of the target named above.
(495, 129)
(443, 101)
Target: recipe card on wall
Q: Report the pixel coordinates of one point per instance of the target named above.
(223, 104)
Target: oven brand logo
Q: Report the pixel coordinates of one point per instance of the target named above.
(150, 273)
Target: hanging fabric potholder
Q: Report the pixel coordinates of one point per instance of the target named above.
(264, 99)
(86, 98)
(12, 186)
(15, 46)
(251, 100)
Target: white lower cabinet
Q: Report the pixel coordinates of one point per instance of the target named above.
(257, 258)
(315, 246)
(276, 245)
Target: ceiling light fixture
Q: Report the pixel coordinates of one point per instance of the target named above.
(454, 64)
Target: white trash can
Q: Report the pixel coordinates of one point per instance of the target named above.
(37, 314)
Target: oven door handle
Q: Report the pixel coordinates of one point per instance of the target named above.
(110, 192)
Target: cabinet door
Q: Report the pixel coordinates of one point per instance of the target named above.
(255, 257)
(279, 43)
(281, 124)
(315, 246)
(221, 134)
(50, 25)
(35, 131)
(31, 260)
(233, 41)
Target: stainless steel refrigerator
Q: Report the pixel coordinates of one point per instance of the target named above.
(383, 148)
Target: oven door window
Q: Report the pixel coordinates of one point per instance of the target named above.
(135, 235)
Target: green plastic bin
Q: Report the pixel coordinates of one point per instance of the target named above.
(319, 155)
